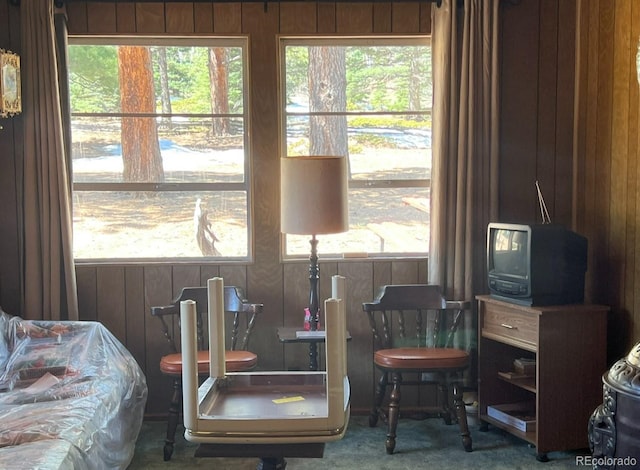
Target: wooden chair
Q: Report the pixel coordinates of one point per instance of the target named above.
(430, 357)
(237, 357)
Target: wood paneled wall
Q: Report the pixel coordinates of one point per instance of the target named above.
(537, 96)
(606, 160)
(588, 177)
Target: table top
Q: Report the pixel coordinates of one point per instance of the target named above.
(268, 395)
(287, 334)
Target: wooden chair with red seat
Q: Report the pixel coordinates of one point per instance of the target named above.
(237, 357)
(427, 353)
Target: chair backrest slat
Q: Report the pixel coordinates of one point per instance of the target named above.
(386, 330)
(420, 333)
(234, 330)
(401, 327)
(247, 332)
(457, 318)
(167, 335)
(437, 320)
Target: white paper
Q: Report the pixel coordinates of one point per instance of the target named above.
(310, 334)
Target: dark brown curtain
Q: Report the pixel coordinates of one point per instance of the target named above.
(48, 272)
(465, 148)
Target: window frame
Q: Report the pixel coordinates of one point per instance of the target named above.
(240, 41)
(346, 40)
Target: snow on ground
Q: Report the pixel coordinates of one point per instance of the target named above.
(174, 159)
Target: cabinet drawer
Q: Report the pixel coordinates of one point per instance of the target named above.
(509, 326)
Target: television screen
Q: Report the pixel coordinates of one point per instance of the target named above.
(510, 252)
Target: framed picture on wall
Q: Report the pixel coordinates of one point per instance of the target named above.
(10, 96)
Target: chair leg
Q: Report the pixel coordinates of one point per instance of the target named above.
(394, 412)
(377, 399)
(461, 412)
(172, 419)
(443, 399)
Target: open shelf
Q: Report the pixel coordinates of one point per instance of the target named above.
(527, 436)
(527, 383)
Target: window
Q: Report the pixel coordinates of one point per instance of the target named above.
(369, 99)
(160, 162)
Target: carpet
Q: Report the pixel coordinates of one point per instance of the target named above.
(420, 444)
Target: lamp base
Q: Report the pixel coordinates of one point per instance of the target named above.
(314, 279)
(314, 302)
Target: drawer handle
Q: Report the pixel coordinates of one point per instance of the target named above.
(510, 327)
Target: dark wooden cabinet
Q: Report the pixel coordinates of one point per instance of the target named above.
(568, 343)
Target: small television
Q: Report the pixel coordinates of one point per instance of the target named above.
(541, 264)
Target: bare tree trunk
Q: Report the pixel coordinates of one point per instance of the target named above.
(415, 83)
(165, 96)
(140, 147)
(219, 83)
(328, 92)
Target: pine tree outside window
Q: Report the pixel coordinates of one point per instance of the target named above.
(160, 162)
(369, 99)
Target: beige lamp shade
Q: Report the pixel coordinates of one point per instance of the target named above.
(313, 195)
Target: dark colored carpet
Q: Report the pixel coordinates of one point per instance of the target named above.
(421, 444)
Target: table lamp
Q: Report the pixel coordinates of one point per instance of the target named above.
(313, 201)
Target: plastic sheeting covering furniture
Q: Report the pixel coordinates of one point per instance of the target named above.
(71, 396)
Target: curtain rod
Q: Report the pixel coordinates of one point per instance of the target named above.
(60, 3)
